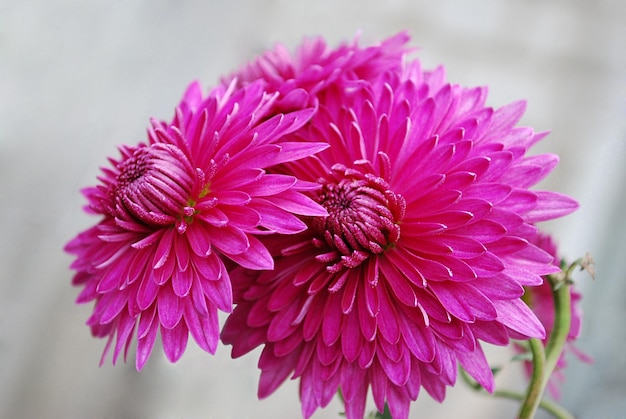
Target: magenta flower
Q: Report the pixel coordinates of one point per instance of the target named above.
(541, 302)
(315, 66)
(422, 254)
(173, 208)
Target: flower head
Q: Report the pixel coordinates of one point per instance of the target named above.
(314, 66)
(422, 254)
(541, 301)
(173, 208)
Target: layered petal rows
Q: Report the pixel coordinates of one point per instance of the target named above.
(373, 223)
(174, 208)
(423, 254)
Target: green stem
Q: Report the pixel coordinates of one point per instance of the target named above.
(562, 324)
(386, 414)
(554, 409)
(535, 388)
(544, 363)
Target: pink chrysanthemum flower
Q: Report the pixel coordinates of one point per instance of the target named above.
(421, 257)
(174, 207)
(315, 66)
(541, 301)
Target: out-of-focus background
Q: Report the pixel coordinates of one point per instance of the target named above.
(77, 78)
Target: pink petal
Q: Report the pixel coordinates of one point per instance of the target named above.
(477, 366)
(550, 205)
(295, 99)
(199, 240)
(145, 321)
(203, 328)
(277, 220)
(174, 341)
(284, 124)
(532, 170)
(399, 285)
(331, 323)
(464, 301)
(88, 293)
(148, 290)
(516, 315)
(147, 240)
(463, 246)
(243, 177)
(256, 257)
(494, 193)
(230, 240)
(499, 287)
(232, 198)
(291, 151)
(491, 332)
(286, 346)
(243, 217)
(351, 338)
(520, 201)
(209, 267)
(387, 319)
(367, 322)
(214, 217)
(284, 294)
(418, 339)
(164, 273)
(398, 403)
(144, 346)
(137, 266)
(313, 320)
(125, 329)
(485, 231)
(355, 404)
(219, 293)
(507, 116)
(114, 303)
(193, 95)
(199, 299)
(271, 378)
(298, 204)
(486, 264)
(181, 282)
(170, 309)
(397, 371)
(367, 355)
(110, 279)
(270, 185)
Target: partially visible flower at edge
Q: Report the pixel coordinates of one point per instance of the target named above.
(423, 253)
(300, 77)
(173, 208)
(541, 302)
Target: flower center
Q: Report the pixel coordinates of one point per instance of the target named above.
(363, 218)
(155, 184)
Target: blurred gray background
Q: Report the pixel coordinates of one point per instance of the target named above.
(79, 77)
